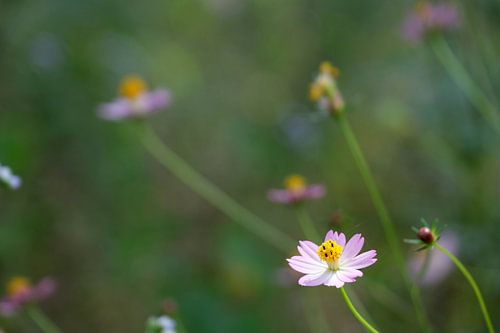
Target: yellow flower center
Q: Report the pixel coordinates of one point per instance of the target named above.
(295, 183)
(18, 285)
(327, 68)
(330, 252)
(132, 87)
(316, 91)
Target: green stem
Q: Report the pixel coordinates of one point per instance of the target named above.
(385, 219)
(472, 283)
(425, 266)
(212, 193)
(356, 313)
(43, 322)
(307, 224)
(468, 86)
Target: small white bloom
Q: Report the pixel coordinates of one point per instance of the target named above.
(167, 324)
(162, 324)
(7, 177)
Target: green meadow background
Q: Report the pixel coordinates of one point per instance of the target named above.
(120, 234)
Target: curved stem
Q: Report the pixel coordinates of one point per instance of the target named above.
(472, 283)
(306, 223)
(212, 193)
(42, 321)
(385, 219)
(468, 86)
(356, 313)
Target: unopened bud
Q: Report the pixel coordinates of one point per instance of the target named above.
(425, 235)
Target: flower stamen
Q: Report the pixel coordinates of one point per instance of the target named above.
(18, 285)
(330, 252)
(295, 183)
(132, 87)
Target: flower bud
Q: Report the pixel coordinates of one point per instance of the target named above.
(425, 235)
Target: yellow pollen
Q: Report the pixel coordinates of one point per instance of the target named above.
(295, 183)
(132, 87)
(327, 68)
(316, 92)
(18, 285)
(330, 251)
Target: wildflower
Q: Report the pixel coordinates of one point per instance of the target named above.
(296, 191)
(8, 178)
(332, 263)
(20, 292)
(135, 100)
(162, 324)
(429, 18)
(324, 90)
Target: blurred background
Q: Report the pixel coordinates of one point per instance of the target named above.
(120, 234)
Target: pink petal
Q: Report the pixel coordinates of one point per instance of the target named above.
(279, 196)
(310, 249)
(351, 272)
(115, 110)
(312, 280)
(338, 238)
(341, 240)
(306, 265)
(345, 277)
(353, 246)
(315, 191)
(361, 261)
(309, 254)
(330, 235)
(334, 281)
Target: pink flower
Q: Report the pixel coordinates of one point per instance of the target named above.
(135, 101)
(20, 293)
(427, 18)
(334, 262)
(296, 190)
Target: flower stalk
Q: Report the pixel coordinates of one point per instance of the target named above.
(469, 87)
(356, 314)
(306, 224)
(472, 283)
(199, 184)
(335, 106)
(41, 320)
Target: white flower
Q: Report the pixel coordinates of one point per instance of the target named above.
(7, 177)
(162, 324)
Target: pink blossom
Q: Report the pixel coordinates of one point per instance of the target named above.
(332, 263)
(296, 190)
(427, 18)
(21, 293)
(135, 101)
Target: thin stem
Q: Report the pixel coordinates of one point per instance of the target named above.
(306, 223)
(468, 86)
(42, 321)
(356, 313)
(212, 193)
(425, 266)
(472, 283)
(385, 219)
